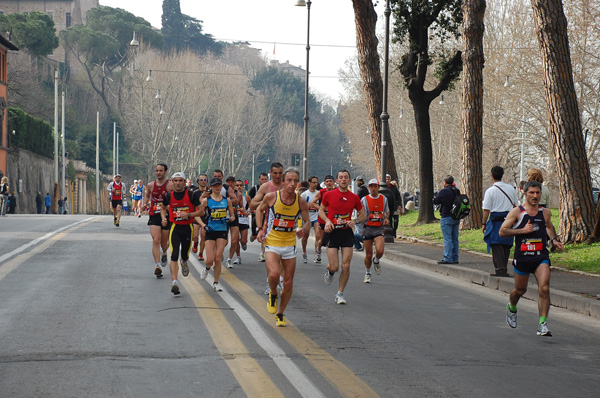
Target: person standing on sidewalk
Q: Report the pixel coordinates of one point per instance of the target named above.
(47, 202)
(498, 200)
(449, 225)
(373, 230)
(531, 225)
(339, 204)
(39, 202)
(4, 192)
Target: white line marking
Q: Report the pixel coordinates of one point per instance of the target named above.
(20, 249)
(291, 371)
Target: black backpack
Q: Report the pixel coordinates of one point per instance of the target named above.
(461, 207)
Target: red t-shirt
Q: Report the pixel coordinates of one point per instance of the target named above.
(339, 206)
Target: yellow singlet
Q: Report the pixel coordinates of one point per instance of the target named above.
(281, 223)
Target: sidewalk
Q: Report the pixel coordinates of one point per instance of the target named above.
(574, 291)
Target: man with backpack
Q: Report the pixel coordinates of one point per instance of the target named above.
(449, 222)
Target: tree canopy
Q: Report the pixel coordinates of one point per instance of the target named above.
(34, 31)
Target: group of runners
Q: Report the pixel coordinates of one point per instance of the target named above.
(204, 218)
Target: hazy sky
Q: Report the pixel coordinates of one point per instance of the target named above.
(269, 24)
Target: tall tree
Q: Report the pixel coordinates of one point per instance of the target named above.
(34, 31)
(472, 114)
(575, 187)
(415, 21)
(370, 73)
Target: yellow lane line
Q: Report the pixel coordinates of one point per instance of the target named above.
(338, 374)
(252, 378)
(10, 265)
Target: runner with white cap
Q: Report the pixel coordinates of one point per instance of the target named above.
(373, 231)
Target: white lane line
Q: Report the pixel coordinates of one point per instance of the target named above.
(291, 371)
(34, 242)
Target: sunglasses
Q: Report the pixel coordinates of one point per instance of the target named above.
(202, 179)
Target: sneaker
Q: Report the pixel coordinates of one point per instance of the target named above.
(175, 289)
(228, 264)
(204, 273)
(511, 317)
(200, 257)
(376, 265)
(114, 220)
(268, 289)
(304, 258)
(272, 303)
(158, 272)
(163, 259)
(367, 278)
(237, 261)
(280, 320)
(317, 259)
(543, 330)
(140, 215)
(195, 247)
(359, 249)
(117, 224)
(261, 258)
(328, 278)
(217, 287)
(339, 298)
(252, 239)
(185, 270)
(244, 247)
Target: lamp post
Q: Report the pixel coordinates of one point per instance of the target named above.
(302, 3)
(56, 127)
(62, 185)
(384, 189)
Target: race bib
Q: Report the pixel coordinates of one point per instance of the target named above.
(284, 224)
(376, 216)
(156, 207)
(340, 220)
(218, 214)
(178, 211)
(531, 246)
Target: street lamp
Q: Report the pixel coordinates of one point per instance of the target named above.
(302, 3)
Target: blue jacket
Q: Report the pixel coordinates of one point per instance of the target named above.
(492, 231)
(445, 198)
(48, 200)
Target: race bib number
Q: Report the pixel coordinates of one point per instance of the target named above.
(218, 214)
(532, 246)
(340, 220)
(284, 224)
(178, 211)
(242, 212)
(376, 216)
(156, 207)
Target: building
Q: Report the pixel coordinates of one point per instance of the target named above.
(5, 45)
(287, 67)
(64, 13)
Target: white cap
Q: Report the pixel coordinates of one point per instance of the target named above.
(135, 180)
(373, 181)
(179, 174)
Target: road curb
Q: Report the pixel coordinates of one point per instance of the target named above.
(558, 298)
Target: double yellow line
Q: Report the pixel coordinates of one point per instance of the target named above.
(252, 378)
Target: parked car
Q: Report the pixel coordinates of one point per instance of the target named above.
(595, 194)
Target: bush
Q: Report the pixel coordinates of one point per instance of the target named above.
(31, 133)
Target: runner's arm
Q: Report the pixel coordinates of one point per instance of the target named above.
(506, 229)
(258, 197)
(306, 224)
(551, 231)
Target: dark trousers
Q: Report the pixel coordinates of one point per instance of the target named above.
(500, 255)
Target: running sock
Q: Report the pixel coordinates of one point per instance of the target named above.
(174, 282)
(331, 273)
(368, 272)
(513, 308)
(543, 319)
(157, 264)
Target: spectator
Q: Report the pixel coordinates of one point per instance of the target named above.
(60, 206)
(449, 225)
(536, 175)
(498, 200)
(4, 195)
(39, 202)
(48, 202)
(394, 204)
(12, 203)
(66, 206)
(521, 194)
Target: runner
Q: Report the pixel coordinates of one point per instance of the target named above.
(181, 204)
(340, 203)
(373, 231)
(243, 221)
(274, 185)
(531, 225)
(216, 206)
(262, 178)
(200, 222)
(329, 182)
(115, 191)
(279, 236)
(137, 193)
(234, 227)
(313, 212)
(153, 199)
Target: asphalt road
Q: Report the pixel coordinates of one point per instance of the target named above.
(81, 314)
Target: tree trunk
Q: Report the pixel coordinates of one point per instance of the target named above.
(370, 73)
(423, 125)
(472, 114)
(575, 188)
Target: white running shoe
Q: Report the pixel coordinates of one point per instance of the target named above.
(304, 258)
(204, 273)
(328, 277)
(163, 259)
(367, 278)
(339, 298)
(237, 260)
(543, 330)
(175, 288)
(228, 264)
(268, 289)
(185, 270)
(376, 265)
(511, 317)
(217, 287)
(261, 258)
(317, 259)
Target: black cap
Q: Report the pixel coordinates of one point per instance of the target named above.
(215, 181)
(328, 177)
(230, 178)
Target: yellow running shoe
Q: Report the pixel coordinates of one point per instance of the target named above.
(280, 320)
(272, 303)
